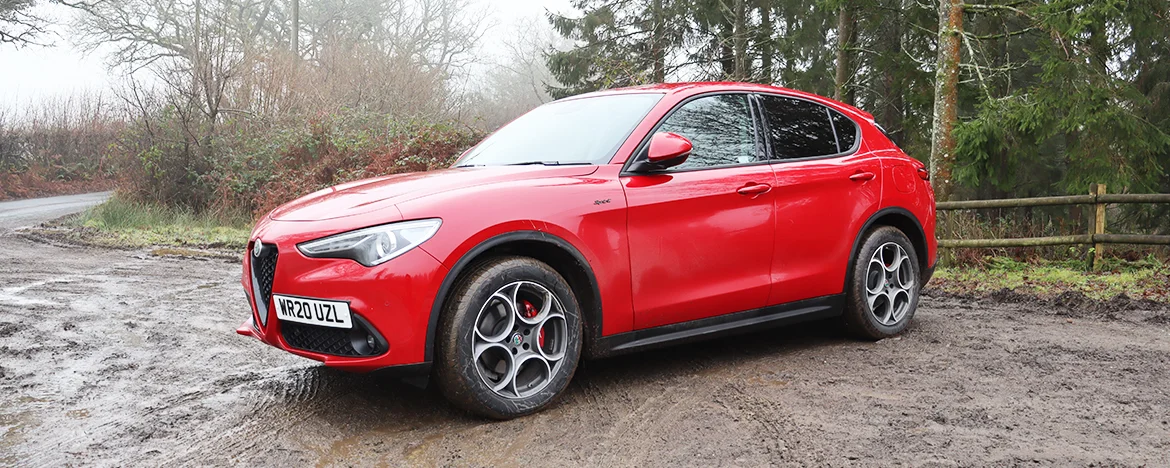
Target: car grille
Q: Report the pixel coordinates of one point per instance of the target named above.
(334, 341)
(324, 340)
(264, 271)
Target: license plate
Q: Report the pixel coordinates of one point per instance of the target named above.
(312, 311)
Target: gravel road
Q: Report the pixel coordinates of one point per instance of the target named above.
(113, 357)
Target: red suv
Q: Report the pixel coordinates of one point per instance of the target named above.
(598, 225)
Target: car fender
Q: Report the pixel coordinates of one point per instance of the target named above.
(915, 228)
(466, 259)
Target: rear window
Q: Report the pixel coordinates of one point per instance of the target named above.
(846, 131)
(798, 128)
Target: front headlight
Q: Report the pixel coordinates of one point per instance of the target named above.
(373, 245)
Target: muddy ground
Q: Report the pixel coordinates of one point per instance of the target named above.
(111, 357)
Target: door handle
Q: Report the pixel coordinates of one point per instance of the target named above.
(862, 176)
(754, 189)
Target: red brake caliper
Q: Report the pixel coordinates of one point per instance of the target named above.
(530, 311)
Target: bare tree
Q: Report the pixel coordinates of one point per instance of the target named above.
(518, 80)
(234, 55)
(20, 26)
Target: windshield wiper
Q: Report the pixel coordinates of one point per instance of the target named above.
(551, 163)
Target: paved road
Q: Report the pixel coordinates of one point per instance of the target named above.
(20, 213)
(117, 358)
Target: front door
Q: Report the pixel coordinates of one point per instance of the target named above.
(701, 234)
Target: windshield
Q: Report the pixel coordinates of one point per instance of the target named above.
(577, 131)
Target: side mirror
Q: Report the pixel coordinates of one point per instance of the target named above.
(666, 150)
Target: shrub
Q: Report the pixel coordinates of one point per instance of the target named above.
(253, 165)
(57, 146)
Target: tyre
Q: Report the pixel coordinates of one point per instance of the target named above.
(510, 338)
(883, 289)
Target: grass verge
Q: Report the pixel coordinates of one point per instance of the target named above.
(1146, 279)
(126, 224)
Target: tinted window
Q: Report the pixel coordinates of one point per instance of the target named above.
(719, 127)
(586, 130)
(846, 130)
(799, 129)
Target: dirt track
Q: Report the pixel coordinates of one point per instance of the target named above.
(116, 358)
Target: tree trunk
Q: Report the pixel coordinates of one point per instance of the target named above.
(197, 55)
(295, 39)
(764, 41)
(740, 40)
(657, 48)
(893, 82)
(726, 54)
(846, 26)
(946, 97)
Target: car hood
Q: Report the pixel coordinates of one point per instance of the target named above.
(369, 195)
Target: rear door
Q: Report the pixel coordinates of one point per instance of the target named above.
(701, 234)
(827, 186)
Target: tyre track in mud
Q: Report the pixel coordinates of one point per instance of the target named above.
(117, 358)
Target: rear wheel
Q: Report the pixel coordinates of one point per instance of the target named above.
(511, 338)
(883, 290)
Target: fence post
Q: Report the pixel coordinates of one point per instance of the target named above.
(1098, 226)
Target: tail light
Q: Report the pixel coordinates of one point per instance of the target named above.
(923, 173)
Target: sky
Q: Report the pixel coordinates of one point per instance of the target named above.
(34, 73)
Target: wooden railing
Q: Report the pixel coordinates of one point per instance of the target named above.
(1096, 237)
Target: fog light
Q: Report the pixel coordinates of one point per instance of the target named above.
(372, 343)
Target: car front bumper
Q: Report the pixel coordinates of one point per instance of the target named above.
(393, 299)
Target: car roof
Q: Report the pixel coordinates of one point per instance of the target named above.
(700, 87)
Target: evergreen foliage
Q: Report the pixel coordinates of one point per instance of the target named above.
(1053, 94)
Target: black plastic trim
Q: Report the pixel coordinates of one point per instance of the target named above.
(592, 317)
(361, 326)
(403, 370)
(720, 326)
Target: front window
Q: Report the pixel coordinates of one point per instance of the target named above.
(576, 131)
(720, 128)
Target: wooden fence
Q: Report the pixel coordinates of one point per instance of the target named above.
(1096, 236)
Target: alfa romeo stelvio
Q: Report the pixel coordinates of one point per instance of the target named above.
(598, 225)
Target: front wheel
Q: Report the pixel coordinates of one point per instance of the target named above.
(883, 290)
(511, 338)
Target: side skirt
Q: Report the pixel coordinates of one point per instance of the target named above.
(723, 325)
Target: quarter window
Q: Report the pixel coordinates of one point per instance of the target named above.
(846, 130)
(799, 129)
(719, 127)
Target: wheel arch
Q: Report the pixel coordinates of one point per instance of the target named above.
(554, 251)
(904, 221)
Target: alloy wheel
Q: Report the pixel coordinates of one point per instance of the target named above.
(520, 339)
(889, 284)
